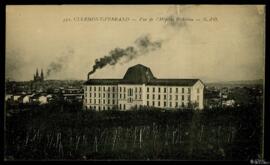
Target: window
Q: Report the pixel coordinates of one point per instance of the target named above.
(103, 88)
(90, 101)
(124, 106)
(147, 103)
(147, 96)
(120, 95)
(113, 89)
(120, 106)
(124, 96)
(120, 91)
(90, 88)
(140, 96)
(164, 96)
(147, 89)
(99, 108)
(94, 94)
(164, 90)
(170, 90)
(135, 90)
(153, 96)
(170, 97)
(99, 88)
(103, 108)
(183, 90)
(99, 101)
(136, 97)
(99, 95)
(189, 90)
(153, 103)
(124, 89)
(108, 95)
(189, 98)
(170, 104)
(158, 89)
(130, 92)
(90, 94)
(140, 89)
(113, 95)
(95, 101)
(108, 101)
(159, 103)
(176, 97)
(113, 101)
(94, 88)
(198, 98)
(176, 104)
(164, 103)
(109, 88)
(103, 101)
(103, 94)
(153, 89)
(183, 104)
(183, 97)
(198, 90)
(176, 90)
(159, 97)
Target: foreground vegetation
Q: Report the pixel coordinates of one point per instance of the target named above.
(57, 132)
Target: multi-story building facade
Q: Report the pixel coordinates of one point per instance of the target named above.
(140, 88)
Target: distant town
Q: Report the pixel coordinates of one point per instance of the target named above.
(41, 92)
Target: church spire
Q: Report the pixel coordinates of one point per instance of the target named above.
(41, 75)
(37, 72)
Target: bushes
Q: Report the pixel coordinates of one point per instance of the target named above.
(140, 134)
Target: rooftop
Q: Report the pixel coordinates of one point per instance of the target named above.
(140, 74)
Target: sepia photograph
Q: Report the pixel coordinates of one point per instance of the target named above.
(134, 82)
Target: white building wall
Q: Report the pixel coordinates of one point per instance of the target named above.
(197, 94)
(173, 96)
(8, 96)
(101, 97)
(16, 97)
(130, 96)
(43, 100)
(168, 97)
(26, 99)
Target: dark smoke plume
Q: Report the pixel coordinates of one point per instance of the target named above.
(57, 65)
(53, 68)
(143, 45)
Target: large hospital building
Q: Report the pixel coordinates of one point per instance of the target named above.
(139, 88)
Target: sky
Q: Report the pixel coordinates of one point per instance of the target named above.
(213, 43)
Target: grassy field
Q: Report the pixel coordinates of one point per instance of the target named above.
(55, 132)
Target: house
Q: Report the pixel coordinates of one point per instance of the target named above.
(43, 99)
(24, 99)
(8, 97)
(39, 98)
(228, 103)
(15, 97)
(73, 97)
(139, 88)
